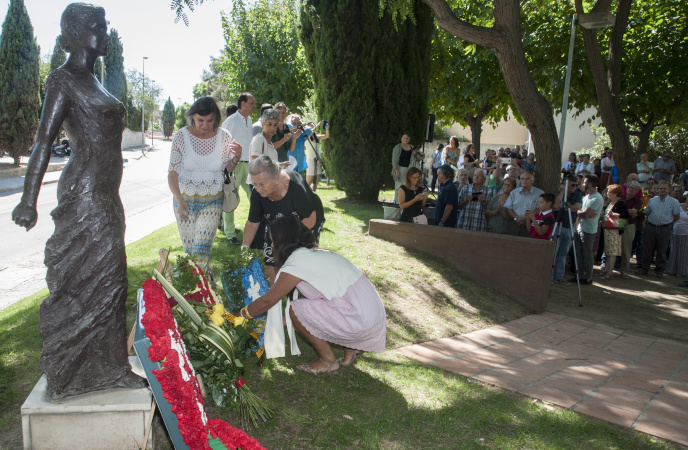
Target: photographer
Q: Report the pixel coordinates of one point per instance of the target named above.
(574, 201)
(300, 133)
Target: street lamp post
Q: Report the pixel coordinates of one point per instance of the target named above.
(143, 103)
(590, 21)
(151, 124)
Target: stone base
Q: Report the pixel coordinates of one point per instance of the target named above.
(113, 419)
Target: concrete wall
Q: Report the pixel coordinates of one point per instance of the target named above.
(517, 267)
(131, 138)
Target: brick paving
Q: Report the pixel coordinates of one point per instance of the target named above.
(625, 378)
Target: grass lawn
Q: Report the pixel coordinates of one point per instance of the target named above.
(385, 400)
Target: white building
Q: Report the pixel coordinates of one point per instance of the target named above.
(510, 133)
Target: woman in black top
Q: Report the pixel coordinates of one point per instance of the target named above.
(278, 193)
(469, 161)
(403, 157)
(412, 198)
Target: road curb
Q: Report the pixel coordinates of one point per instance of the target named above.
(16, 188)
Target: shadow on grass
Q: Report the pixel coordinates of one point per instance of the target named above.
(20, 352)
(361, 210)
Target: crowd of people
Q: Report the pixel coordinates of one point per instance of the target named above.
(608, 220)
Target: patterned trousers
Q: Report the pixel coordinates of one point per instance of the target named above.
(198, 231)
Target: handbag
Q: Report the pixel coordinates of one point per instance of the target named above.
(612, 223)
(421, 220)
(231, 190)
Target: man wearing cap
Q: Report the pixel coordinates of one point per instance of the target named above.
(664, 168)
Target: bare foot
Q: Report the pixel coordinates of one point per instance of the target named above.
(319, 366)
(350, 356)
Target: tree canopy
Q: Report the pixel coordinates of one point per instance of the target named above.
(466, 85)
(19, 82)
(180, 116)
(152, 98)
(262, 54)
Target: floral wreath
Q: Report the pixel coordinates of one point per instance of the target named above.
(178, 379)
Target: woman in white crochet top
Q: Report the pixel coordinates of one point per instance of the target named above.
(200, 153)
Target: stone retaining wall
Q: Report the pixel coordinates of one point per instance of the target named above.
(518, 267)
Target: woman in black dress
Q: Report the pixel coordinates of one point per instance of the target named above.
(83, 320)
(412, 197)
(278, 193)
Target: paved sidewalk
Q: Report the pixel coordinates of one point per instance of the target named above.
(625, 378)
(12, 179)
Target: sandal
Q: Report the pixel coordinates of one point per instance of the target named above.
(307, 368)
(356, 355)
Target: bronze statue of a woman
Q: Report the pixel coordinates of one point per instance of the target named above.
(83, 320)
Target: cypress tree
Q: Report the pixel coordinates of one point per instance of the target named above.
(133, 115)
(59, 56)
(98, 68)
(19, 82)
(115, 79)
(371, 79)
(168, 118)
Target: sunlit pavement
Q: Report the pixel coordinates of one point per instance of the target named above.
(629, 379)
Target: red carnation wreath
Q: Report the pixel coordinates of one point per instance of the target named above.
(178, 379)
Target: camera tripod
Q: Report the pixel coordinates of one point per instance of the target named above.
(556, 232)
(318, 160)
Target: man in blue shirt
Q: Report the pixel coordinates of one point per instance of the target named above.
(301, 134)
(660, 214)
(447, 199)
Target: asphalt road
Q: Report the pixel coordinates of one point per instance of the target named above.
(147, 205)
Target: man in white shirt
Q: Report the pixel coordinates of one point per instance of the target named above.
(588, 222)
(521, 200)
(585, 167)
(606, 165)
(240, 127)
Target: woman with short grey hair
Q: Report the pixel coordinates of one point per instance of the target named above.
(277, 193)
(261, 145)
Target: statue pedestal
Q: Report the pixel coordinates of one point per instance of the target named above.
(114, 419)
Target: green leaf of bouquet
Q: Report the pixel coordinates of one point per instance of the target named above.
(237, 363)
(217, 336)
(181, 301)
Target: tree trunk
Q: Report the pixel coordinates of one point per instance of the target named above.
(476, 125)
(643, 133)
(607, 85)
(505, 39)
